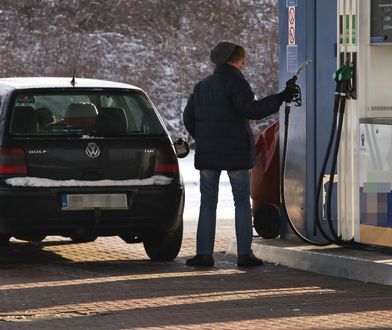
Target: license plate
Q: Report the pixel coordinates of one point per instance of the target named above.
(71, 202)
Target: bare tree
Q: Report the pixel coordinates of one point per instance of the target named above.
(160, 45)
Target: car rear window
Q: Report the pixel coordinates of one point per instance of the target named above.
(88, 113)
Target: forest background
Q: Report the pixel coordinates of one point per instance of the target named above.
(161, 46)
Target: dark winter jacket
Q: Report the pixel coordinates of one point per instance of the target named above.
(217, 114)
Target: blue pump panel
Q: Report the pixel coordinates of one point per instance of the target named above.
(314, 38)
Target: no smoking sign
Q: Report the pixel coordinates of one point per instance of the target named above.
(291, 25)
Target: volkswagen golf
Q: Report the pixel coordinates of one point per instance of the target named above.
(86, 160)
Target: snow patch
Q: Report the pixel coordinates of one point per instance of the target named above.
(156, 180)
(191, 176)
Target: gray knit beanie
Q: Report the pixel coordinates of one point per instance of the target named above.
(222, 52)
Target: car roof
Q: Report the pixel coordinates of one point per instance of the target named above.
(59, 82)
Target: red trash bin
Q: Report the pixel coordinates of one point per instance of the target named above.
(265, 183)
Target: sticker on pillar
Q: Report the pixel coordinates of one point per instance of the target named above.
(292, 58)
(292, 49)
(291, 3)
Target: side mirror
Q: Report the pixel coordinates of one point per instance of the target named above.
(181, 147)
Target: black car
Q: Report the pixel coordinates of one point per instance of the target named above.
(94, 159)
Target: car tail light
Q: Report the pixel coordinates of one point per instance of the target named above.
(166, 161)
(12, 161)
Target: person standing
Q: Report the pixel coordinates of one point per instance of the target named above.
(217, 117)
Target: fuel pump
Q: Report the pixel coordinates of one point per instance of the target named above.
(338, 181)
(364, 161)
(342, 77)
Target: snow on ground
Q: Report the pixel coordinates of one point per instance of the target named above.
(192, 192)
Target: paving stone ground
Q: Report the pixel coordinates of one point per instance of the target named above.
(108, 284)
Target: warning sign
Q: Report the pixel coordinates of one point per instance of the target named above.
(292, 58)
(291, 25)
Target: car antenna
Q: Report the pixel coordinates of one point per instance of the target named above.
(73, 82)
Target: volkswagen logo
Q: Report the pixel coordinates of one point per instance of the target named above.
(93, 150)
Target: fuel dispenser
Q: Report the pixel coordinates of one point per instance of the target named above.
(355, 206)
(365, 162)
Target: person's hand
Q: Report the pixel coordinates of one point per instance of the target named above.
(290, 92)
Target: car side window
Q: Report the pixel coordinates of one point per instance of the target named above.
(137, 114)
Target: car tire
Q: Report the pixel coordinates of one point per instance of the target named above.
(266, 220)
(34, 238)
(164, 246)
(4, 240)
(83, 238)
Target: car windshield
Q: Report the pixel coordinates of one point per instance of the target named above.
(88, 113)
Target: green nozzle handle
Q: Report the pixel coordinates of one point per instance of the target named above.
(344, 73)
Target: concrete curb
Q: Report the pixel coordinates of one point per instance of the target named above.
(365, 266)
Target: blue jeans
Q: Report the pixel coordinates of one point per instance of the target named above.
(240, 186)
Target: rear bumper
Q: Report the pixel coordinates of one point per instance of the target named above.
(150, 208)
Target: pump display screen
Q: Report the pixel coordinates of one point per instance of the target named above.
(381, 22)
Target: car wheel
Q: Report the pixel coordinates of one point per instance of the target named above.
(35, 238)
(164, 246)
(266, 220)
(4, 240)
(83, 238)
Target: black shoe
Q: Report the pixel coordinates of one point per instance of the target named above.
(201, 261)
(249, 260)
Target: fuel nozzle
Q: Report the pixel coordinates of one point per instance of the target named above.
(344, 73)
(301, 68)
(297, 96)
(292, 83)
(294, 91)
(343, 77)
